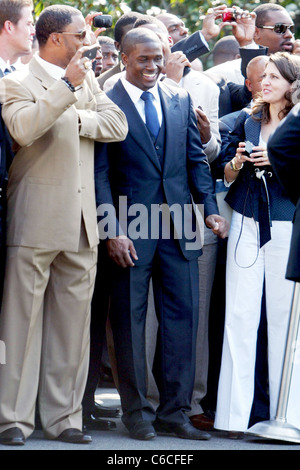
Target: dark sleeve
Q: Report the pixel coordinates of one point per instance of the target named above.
(283, 150)
(201, 182)
(229, 146)
(240, 96)
(192, 46)
(104, 199)
(249, 54)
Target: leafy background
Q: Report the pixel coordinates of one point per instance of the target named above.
(190, 11)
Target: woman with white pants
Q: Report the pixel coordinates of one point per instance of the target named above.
(257, 252)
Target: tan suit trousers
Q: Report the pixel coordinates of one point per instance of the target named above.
(45, 324)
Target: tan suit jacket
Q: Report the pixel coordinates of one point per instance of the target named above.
(51, 179)
(109, 73)
(51, 255)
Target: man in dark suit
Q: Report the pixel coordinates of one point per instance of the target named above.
(154, 169)
(283, 151)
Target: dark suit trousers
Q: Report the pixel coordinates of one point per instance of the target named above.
(175, 288)
(99, 314)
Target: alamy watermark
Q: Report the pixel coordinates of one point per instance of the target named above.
(154, 222)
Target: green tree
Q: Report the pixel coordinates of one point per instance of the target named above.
(190, 10)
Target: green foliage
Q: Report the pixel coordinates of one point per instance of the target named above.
(190, 10)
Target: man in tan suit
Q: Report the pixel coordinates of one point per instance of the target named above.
(54, 110)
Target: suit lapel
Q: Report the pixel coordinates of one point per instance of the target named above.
(40, 73)
(252, 130)
(137, 128)
(170, 107)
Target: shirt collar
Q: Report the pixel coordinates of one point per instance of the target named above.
(53, 70)
(135, 92)
(4, 65)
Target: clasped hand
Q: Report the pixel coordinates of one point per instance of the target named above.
(258, 156)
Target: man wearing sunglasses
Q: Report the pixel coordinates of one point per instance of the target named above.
(274, 28)
(55, 111)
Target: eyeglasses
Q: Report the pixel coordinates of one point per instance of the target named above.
(280, 28)
(81, 35)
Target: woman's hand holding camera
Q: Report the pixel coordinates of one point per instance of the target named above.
(246, 152)
(257, 155)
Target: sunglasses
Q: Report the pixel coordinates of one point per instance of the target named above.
(280, 28)
(81, 35)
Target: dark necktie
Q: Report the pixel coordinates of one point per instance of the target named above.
(7, 70)
(152, 121)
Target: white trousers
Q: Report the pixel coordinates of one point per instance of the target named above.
(247, 267)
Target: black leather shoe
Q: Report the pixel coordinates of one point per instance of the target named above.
(184, 431)
(92, 422)
(74, 436)
(105, 412)
(12, 437)
(143, 430)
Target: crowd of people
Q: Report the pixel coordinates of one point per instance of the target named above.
(146, 209)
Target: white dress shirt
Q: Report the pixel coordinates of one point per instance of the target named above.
(4, 65)
(53, 70)
(135, 95)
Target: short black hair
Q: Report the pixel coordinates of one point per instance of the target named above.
(138, 36)
(106, 40)
(54, 19)
(124, 20)
(148, 19)
(262, 12)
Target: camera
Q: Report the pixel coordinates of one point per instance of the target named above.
(229, 14)
(102, 21)
(91, 53)
(248, 148)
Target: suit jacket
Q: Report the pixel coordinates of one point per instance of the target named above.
(132, 169)
(109, 73)
(50, 186)
(263, 199)
(192, 46)
(205, 93)
(283, 150)
(247, 128)
(6, 156)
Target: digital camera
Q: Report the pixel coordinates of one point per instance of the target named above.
(229, 14)
(102, 21)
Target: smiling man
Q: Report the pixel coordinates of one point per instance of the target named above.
(54, 111)
(160, 163)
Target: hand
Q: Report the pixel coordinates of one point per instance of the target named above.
(243, 28)
(78, 67)
(218, 224)
(210, 29)
(296, 47)
(259, 156)
(121, 250)
(203, 124)
(89, 22)
(175, 65)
